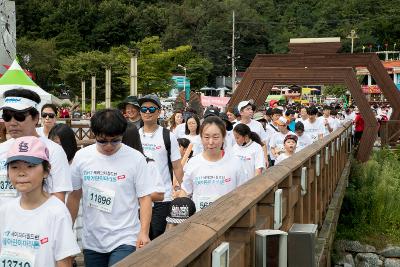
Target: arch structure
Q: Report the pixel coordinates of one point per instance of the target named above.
(324, 69)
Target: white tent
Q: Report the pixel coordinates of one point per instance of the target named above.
(16, 78)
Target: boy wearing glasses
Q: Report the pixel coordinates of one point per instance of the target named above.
(154, 147)
(20, 117)
(112, 179)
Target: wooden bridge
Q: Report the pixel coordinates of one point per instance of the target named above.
(235, 217)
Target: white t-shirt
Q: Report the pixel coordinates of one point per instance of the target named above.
(40, 131)
(301, 119)
(281, 157)
(252, 157)
(314, 129)
(179, 130)
(256, 127)
(270, 130)
(59, 179)
(196, 141)
(157, 180)
(111, 186)
(303, 141)
(208, 181)
(277, 142)
(154, 148)
(44, 235)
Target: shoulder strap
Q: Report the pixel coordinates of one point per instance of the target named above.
(167, 143)
(273, 127)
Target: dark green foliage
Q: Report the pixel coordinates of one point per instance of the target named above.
(262, 26)
(371, 204)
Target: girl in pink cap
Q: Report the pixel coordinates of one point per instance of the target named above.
(35, 228)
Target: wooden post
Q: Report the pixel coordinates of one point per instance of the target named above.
(83, 87)
(108, 88)
(93, 95)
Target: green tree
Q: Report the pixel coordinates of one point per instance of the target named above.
(334, 90)
(39, 57)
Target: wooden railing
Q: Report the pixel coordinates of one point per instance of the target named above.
(389, 132)
(235, 217)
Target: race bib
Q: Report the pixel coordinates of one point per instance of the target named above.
(16, 258)
(6, 188)
(100, 199)
(204, 201)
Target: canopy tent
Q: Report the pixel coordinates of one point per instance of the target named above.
(275, 97)
(16, 78)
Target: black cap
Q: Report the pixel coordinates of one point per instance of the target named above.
(133, 100)
(181, 209)
(150, 98)
(225, 118)
(211, 111)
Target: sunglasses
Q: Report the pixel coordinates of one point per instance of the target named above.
(149, 109)
(18, 116)
(112, 142)
(50, 115)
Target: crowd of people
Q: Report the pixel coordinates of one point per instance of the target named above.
(139, 178)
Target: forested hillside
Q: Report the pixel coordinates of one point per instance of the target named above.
(55, 35)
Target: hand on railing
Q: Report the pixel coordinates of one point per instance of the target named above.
(142, 240)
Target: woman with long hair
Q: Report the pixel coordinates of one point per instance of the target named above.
(212, 173)
(248, 149)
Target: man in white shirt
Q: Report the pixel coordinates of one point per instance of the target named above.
(313, 126)
(270, 129)
(154, 147)
(327, 120)
(303, 139)
(112, 179)
(21, 115)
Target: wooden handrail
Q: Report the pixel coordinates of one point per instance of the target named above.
(235, 216)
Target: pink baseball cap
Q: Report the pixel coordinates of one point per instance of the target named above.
(29, 149)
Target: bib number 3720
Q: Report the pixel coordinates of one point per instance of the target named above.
(100, 199)
(6, 188)
(10, 258)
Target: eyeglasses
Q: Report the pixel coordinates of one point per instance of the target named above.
(18, 116)
(112, 142)
(50, 115)
(149, 109)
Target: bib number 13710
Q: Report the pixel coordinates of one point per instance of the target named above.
(16, 258)
(15, 263)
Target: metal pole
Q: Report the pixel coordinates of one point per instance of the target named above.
(233, 54)
(83, 86)
(93, 95)
(133, 76)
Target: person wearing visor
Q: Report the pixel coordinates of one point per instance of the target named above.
(154, 141)
(112, 179)
(20, 115)
(35, 228)
(49, 119)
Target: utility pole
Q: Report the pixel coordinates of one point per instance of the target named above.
(233, 54)
(352, 36)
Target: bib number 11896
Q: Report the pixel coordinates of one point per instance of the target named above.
(100, 199)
